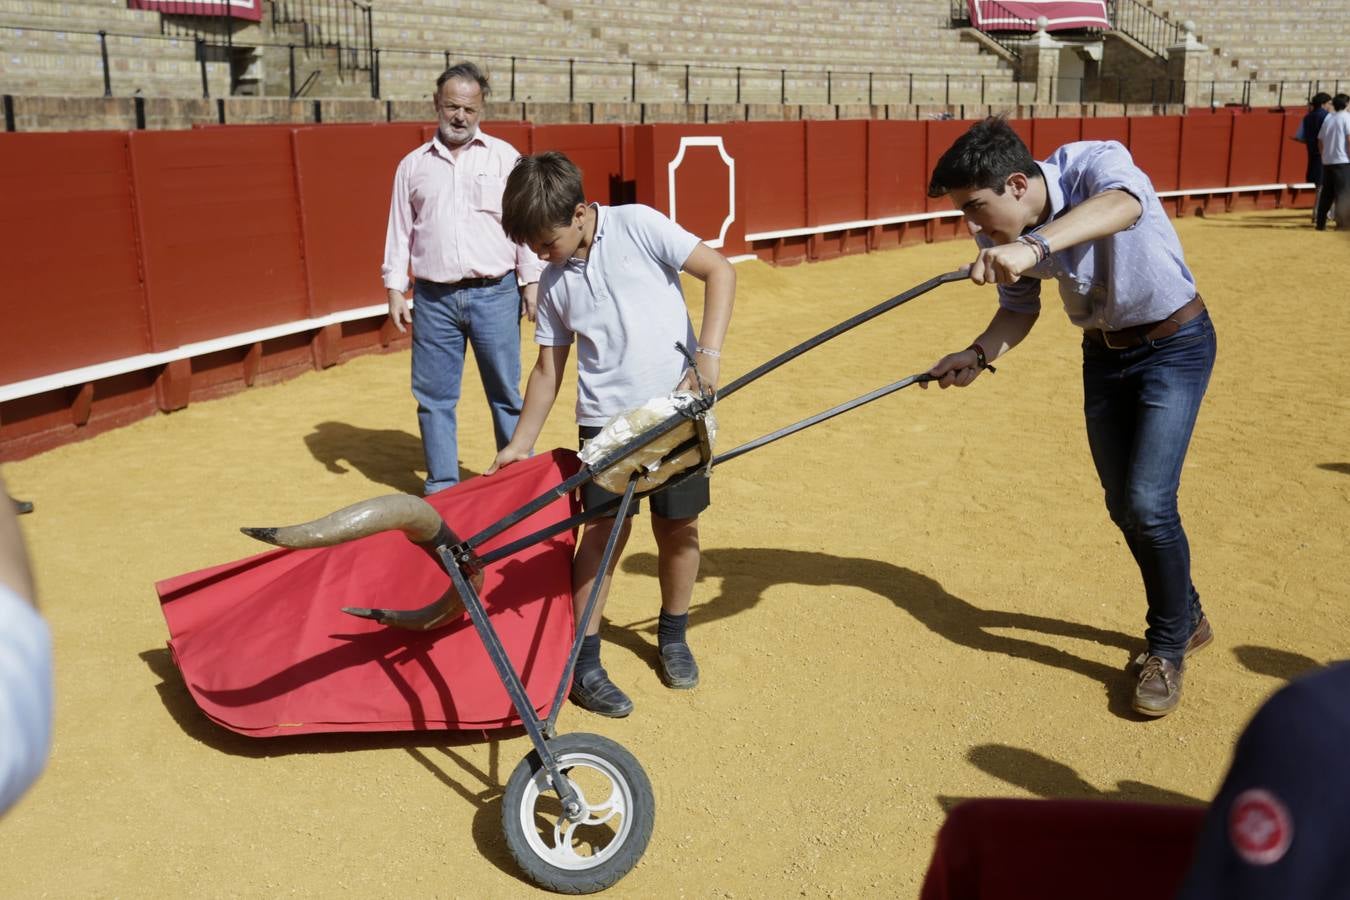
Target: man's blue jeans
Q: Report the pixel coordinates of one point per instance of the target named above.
(444, 320)
(1141, 404)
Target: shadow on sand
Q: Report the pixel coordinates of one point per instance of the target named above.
(746, 574)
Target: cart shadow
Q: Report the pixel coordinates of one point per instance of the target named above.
(177, 700)
(487, 830)
(1050, 779)
(746, 574)
(482, 790)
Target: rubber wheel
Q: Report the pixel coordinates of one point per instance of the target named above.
(595, 852)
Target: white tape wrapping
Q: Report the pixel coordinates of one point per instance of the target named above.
(647, 460)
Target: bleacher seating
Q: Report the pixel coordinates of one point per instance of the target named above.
(1267, 42)
(52, 49)
(712, 37)
(706, 51)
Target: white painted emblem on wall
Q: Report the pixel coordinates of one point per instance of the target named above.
(686, 142)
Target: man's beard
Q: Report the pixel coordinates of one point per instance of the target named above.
(448, 137)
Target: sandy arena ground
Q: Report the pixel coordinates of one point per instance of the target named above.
(919, 602)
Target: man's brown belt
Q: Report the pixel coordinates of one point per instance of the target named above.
(1137, 335)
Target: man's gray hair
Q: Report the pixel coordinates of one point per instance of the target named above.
(464, 71)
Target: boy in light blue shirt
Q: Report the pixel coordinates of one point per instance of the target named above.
(1089, 218)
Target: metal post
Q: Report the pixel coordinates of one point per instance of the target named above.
(513, 79)
(571, 81)
(947, 90)
(9, 112)
(229, 37)
(139, 102)
(374, 81)
(107, 76)
(201, 59)
(292, 50)
(1211, 93)
(686, 84)
(370, 38)
(1280, 102)
(1019, 92)
(782, 85)
(632, 83)
(829, 86)
(447, 59)
(981, 90)
(911, 87)
(869, 88)
(738, 84)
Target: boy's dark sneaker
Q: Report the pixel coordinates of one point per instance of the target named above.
(1159, 689)
(678, 669)
(594, 691)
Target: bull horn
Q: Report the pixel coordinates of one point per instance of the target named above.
(402, 512)
(433, 615)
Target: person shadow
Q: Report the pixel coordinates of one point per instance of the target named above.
(1341, 467)
(746, 574)
(1050, 779)
(384, 456)
(1282, 664)
(438, 752)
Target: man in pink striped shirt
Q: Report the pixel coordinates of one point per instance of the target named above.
(470, 283)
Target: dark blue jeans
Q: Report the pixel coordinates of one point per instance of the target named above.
(445, 319)
(1141, 404)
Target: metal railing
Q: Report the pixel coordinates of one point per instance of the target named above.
(344, 26)
(1151, 31)
(569, 79)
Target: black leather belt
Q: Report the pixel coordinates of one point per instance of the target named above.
(1137, 335)
(469, 282)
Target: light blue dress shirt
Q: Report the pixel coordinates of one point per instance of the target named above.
(1132, 277)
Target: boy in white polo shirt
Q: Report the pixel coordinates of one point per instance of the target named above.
(613, 285)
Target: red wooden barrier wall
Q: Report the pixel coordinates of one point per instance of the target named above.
(171, 238)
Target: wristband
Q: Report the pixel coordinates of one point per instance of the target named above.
(715, 354)
(981, 360)
(1036, 242)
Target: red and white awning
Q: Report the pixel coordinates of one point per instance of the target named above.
(249, 10)
(1021, 15)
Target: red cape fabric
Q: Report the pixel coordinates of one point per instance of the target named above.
(266, 650)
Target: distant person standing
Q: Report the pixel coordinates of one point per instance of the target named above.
(1319, 107)
(471, 284)
(1333, 140)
